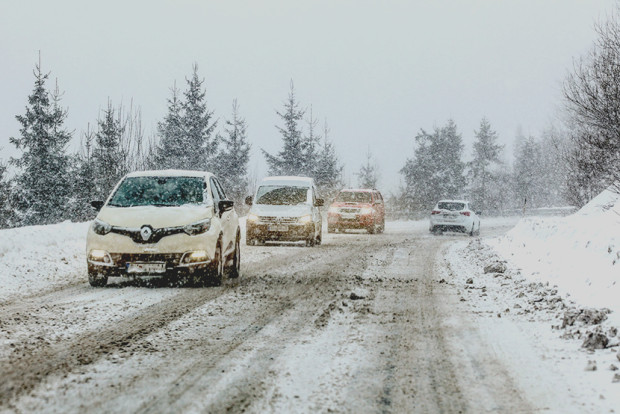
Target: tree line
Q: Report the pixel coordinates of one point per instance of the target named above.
(51, 185)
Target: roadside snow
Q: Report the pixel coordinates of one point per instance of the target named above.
(38, 258)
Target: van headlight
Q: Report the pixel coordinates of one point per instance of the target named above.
(101, 227)
(198, 227)
(305, 219)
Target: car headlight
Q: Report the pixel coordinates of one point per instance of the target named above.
(366, 210)
(101, 227)
(100, 256)
(252, 217)
(198, 227)
(333, 210)
(305, 219)
(197, 256)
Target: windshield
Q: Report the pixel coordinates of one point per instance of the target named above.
(450, 206)
(281, 195)
(158, 191)
(354, 197)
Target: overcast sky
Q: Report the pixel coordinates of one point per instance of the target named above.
(377, 71)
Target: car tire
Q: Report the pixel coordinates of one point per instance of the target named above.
(319, 238)
(97, 280)
(472, 233)
(382, 227)
(311, 241)
(372, 229)
(234, 270)
(215, 270)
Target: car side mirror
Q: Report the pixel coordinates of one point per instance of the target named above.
(319, 202)
(97, 204)
(225, 205)
(478, 213)
(248, 200)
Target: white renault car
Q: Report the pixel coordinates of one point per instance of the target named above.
(173, 223)
(456, 216)
(285, 209)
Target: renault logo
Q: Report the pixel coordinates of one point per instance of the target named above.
(146, 232)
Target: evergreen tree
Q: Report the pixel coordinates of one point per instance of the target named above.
(171, 150)
(42, 184)
(291, 159)
(437, 169)
(368, 174)
(310, 144)
(84, 188)
(234, 157)
(528, 183)
(107, 154)
(328, 174)
(199, 149)
(482, 174)
(6, 216)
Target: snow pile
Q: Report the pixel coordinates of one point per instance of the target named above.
(38, 258)
(580, 254)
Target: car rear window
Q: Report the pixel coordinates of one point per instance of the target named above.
(354, 197)
(449, 205)
(158, 191)
(281, 195)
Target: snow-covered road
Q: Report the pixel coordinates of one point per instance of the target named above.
(395, 322)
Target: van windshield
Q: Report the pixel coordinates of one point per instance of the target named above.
(158, 191)
(281, 195)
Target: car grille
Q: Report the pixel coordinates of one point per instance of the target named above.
(171, 259)
(349, 210)
(278, 220)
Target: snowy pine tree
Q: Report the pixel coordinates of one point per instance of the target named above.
(328, 173)
(368, 174)
(107, 156)
(291, 159)
(234, 157)
(171, 150)
(484, 168)
(42, 187)
(6, 213)
(199, 148)
(527, 173)
(436, 170)
(84, 188)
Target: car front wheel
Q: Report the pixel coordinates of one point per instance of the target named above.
(215, 270)
(97, 280)
(234, 270)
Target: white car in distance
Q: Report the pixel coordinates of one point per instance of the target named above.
(170, 223)
(454, 216)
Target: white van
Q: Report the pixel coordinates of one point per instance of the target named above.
(285, 209)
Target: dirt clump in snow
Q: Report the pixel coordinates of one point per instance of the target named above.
(586, 316)
(497, 267)
(595, 340)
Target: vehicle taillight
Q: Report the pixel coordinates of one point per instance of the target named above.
(465, 213)
(435, 212)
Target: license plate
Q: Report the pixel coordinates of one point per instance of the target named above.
(449, 218)
(349, 216)
(146, 267)
(278, 227)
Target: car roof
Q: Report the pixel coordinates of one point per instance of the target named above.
(288, 180)
(170, 173)
(358, 190)
(452, 201)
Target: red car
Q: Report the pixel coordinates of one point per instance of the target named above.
(357, 209)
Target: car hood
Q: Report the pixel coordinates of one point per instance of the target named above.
(157, 217)
(281, 211)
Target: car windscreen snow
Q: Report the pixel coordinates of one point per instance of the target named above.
(450, 206)
(281, 195)
(354, 197)
(158, 191)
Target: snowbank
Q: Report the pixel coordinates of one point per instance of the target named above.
(580, 254)
(38, 258)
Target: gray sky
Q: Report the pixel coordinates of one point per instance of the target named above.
(378, 71)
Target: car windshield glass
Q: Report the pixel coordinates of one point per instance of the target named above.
(354, 197)
(452, 206)
(281, 195)
(158, 191)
